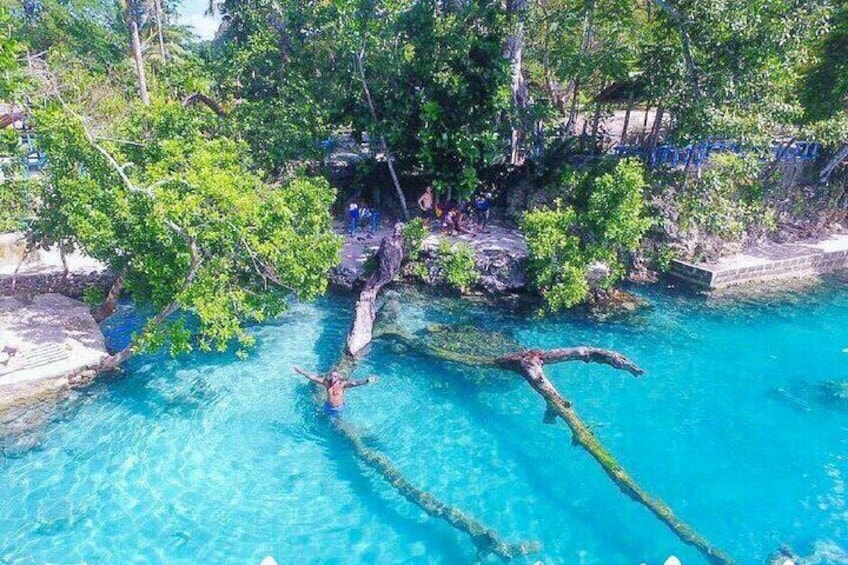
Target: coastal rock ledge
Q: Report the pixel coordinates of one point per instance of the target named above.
(501, 257)
(45, 343)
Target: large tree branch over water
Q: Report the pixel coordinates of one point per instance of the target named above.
(389, 260)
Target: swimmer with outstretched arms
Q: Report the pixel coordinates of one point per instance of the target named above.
(336, 385)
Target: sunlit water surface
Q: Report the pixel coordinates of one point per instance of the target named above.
(210, 460)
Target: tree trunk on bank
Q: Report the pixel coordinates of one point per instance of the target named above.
(644, 134)
(833, 163)
(360, 63)
(626, 120)
(390, 258)
(139, 62)
(516, 9)
(655, 133)
(110, 304)
(596, 120)
(572, 112)
(158, 8)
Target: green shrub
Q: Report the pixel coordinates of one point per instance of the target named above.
(663, 256)
(17, 203)
(727, 200)
(459, 264)
(615, 215)
(557, 266)
(606, 218)
(414, 233)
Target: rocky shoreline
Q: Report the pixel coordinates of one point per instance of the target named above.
(500, 255)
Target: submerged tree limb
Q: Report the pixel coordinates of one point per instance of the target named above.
(389, 260)
(486, 540)
(529, 364)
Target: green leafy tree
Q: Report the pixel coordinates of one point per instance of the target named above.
(459, 264)
(557, 266)
(186, 224)
(605, 218)
(615, 215)
(10, 50)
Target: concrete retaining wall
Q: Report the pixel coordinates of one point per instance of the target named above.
(770, 263)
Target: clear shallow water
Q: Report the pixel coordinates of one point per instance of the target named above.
(211, 460)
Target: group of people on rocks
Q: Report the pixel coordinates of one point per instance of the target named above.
(450, 216)
(453, 217)
(362, 215)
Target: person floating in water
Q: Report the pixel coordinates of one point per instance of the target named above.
(336, 385)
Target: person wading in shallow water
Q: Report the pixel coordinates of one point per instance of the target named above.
(336, 386)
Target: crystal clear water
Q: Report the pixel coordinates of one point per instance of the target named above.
(210, 460)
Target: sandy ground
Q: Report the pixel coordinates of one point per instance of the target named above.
(43, 342)
(12, 248)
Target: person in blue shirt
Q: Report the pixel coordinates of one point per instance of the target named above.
(353, 214)
(482, 204)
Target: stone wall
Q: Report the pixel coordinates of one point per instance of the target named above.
(768, 264)
(73, 284)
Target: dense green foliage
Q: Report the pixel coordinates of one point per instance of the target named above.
(601, 216)
(190, 227)
(727, 200)
(458, 264)
(557, 264)
(450, 92)
(414, 233)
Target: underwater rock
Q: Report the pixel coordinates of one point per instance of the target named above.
(835, 392)
(611, 303)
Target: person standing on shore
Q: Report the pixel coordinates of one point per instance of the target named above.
(425, 203)
(482, 204)
(353, 218)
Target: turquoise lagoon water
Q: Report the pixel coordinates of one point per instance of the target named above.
(210, 460)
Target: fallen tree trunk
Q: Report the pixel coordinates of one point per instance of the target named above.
(486, 540)
(389, 258)
(529, 363)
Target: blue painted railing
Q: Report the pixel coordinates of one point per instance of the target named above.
(698, 153)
